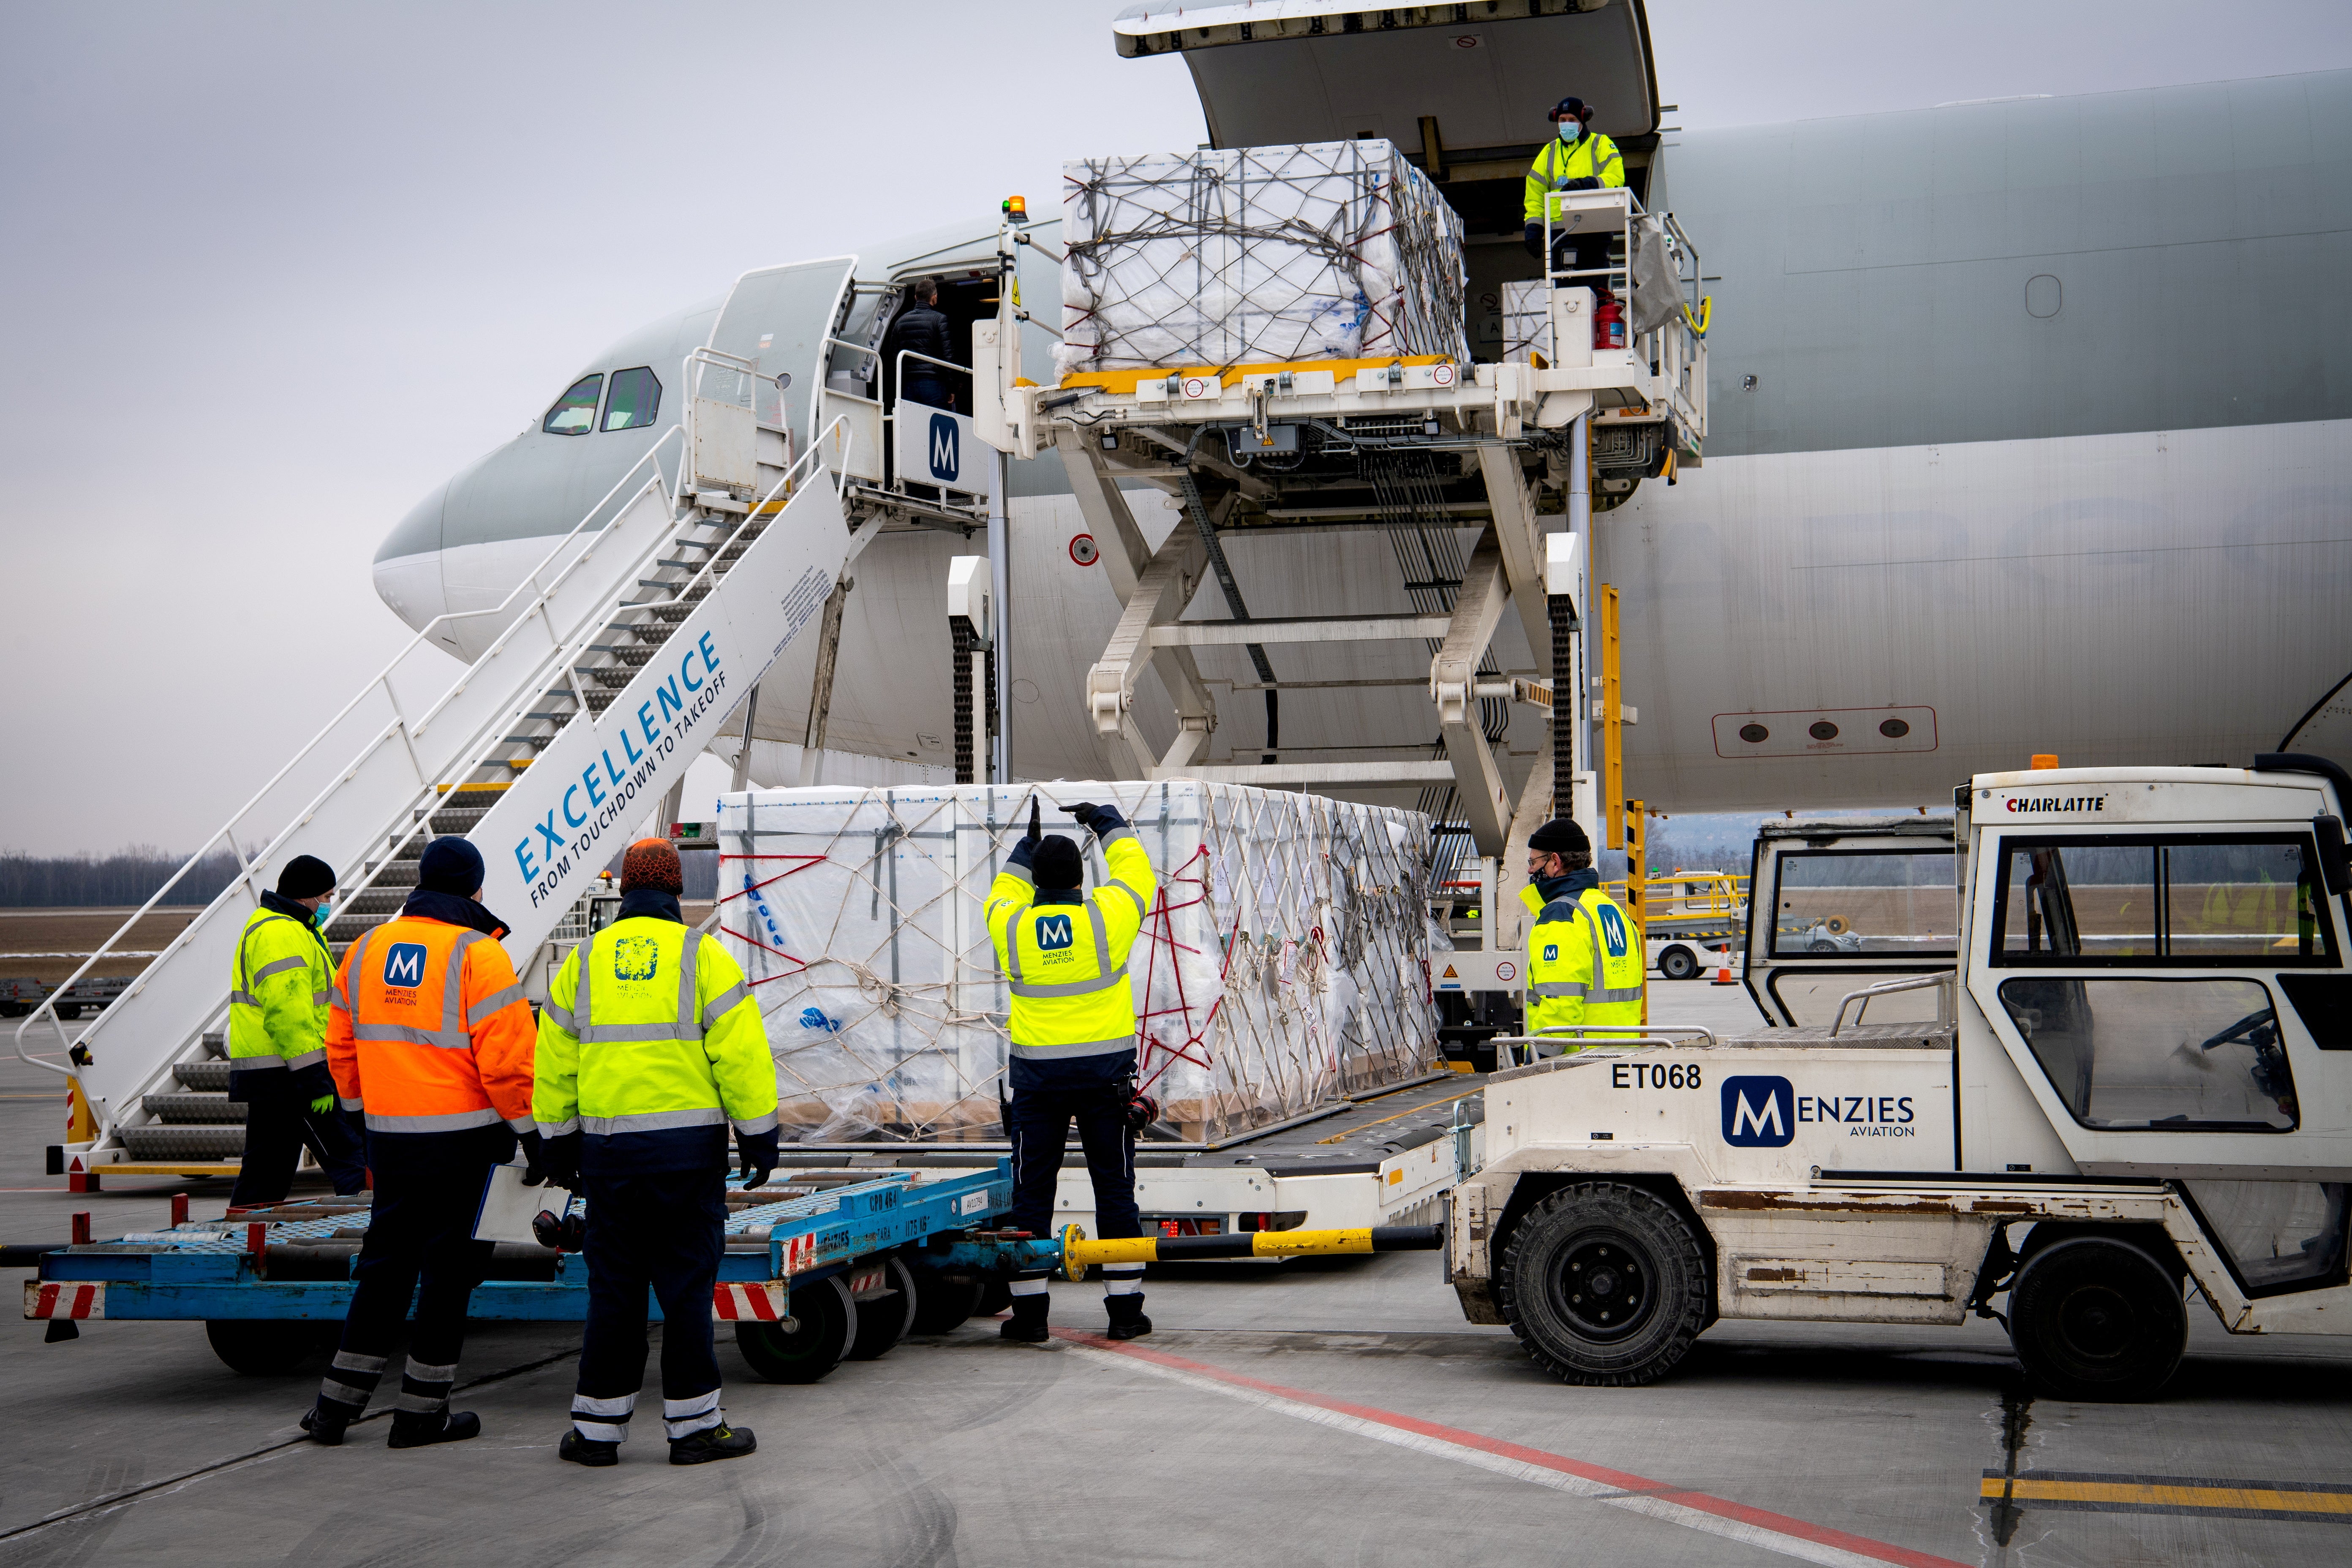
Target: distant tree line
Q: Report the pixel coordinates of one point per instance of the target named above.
(127, 877)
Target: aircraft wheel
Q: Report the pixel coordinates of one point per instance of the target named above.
(1677, 962)
(885, 1321)
(260, 1347)
(823, 1315)
(941, 1304)
(2097, 1319)
(1604, 1284)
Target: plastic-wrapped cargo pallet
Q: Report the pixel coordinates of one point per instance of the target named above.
(1284, 963)
(1258, 255)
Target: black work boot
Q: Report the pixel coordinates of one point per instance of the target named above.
(1127, 1318)
(1027, 1323)
(586, 1451)
(720, 1442)
(324, 1425)
(418, 1429)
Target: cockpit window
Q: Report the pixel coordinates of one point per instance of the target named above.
(575, 413)
(636, 396)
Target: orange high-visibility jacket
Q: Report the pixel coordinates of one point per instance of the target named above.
(427, 1030)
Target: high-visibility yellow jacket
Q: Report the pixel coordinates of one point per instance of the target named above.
(428, 1030)
(1584, 965)
(277, 988)
(1591, 156)
(1065, 953)
(652, 1043)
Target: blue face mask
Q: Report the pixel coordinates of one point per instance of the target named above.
(1570, 129)
(319, 916)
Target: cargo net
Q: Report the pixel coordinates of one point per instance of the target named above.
(1258, 255)
(1283, 963)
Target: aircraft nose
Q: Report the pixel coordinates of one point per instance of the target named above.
(408, 564)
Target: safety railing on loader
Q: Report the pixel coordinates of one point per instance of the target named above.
(415, 764)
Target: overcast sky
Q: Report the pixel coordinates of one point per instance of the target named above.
(273, 272)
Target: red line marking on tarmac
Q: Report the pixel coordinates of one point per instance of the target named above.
(1749, 1522)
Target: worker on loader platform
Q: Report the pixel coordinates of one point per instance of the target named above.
(278, 1041)
(428, 1036)
(1584, 967)
(650, 1051)
(1577, 158)
(1074, 1043)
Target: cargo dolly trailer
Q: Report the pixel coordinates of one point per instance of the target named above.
(2138, 1086)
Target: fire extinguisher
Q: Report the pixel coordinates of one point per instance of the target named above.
(1609, 326)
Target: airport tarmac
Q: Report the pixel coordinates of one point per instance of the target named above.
(1334, 1412)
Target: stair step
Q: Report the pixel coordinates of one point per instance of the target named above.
(159, 1142)
(377, 900)
(204, 1076)
(194, 1109)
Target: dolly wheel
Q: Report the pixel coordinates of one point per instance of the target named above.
(260, 1347)
(885, 1320)
(942, 1304)
(2097, 1319)
(823, 1314)
(1604, 1284)
(995, 1297)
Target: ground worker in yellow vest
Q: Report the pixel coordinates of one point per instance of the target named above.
(277, 987)
(1585, 966)
(1576, 158)
(1074, 1043)
(651, 1050)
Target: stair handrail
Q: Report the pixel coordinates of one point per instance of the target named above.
(226, 833)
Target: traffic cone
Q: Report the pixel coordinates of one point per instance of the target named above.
(1723, 972)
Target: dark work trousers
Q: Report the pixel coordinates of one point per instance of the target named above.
(665, 1230)
(278, 1126)
(1046, 1098)
(422, 1226)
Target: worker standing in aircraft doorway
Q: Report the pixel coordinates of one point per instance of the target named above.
(651, 1050)
(1074, 1043)
(430, 1038)
(278, 1041)
(1585, 968)
(1577, 158)
(921, 328)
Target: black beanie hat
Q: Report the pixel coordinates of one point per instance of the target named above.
(1561, 836)
(306, 877)
(1057, 864)
(450, 865)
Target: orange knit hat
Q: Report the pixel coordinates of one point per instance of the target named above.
(653, 863)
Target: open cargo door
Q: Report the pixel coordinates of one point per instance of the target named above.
(1833, 907)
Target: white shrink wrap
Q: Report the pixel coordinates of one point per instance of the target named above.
(1284, 964)
(1258, 255)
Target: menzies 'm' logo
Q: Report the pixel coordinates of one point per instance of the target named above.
(1552, 952)
(635, 958)
(404, 967)
(946, 458)
(1613, 930)
(1053, 931)
(1759, 1112)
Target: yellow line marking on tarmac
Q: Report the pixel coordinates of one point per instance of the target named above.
(2169, 1494)
(1441, 1100)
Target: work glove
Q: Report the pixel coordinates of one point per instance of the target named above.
(534, 1158)
(759, 1151)
(1025, 849)
(1535, 239)
(1590, 182)
(558, 1157)
(323, 1104)
(1102, 821)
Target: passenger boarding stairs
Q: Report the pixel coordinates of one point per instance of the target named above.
(619, 658)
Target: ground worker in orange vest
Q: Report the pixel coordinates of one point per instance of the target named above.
(429, 1037)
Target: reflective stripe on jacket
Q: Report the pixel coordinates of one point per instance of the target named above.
(428, 1030)
(1583, 963)
(1592, 156)
(278, 994)
(649, 1027)
(1066, 963)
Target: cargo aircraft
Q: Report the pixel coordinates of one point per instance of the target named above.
(2029, 432)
